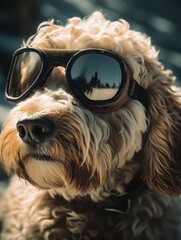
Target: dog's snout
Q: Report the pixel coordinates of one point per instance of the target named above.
(34, 131)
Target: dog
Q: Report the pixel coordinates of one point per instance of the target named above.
(94, 138)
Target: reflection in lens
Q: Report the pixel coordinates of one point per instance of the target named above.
(26, 69)
(97, 75)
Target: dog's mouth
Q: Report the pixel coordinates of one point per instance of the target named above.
(39, 157)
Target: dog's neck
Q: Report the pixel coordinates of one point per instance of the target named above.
(114, 203)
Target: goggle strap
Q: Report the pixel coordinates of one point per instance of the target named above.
(137, 92)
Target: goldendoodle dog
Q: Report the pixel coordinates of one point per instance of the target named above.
(95, 137)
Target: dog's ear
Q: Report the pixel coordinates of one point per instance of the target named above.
(162, 146)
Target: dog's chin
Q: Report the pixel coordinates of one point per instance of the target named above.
(42, 171)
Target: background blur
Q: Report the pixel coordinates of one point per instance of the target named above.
(159, 19)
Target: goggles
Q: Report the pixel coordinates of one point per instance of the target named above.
(99, 79)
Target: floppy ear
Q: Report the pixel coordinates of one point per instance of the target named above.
(162, 147)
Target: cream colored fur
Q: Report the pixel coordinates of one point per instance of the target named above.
(94, 155)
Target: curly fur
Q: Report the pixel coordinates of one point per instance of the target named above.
(93, 155)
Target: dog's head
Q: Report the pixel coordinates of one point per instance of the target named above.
(91, 134)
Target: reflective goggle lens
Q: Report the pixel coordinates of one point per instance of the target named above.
(97, 76)
(25, 70)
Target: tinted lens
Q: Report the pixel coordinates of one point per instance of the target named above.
(97, 76)
(25, 70)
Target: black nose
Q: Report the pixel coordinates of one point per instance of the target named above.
(34, 131)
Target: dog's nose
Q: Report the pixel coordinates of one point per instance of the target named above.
(35, 131)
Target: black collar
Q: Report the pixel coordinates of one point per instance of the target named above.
(121, 204)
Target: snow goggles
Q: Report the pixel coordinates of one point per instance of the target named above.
(100, 79)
